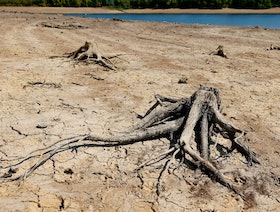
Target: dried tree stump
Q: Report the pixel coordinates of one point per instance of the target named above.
(219, 51)
(181, 120)
(89, 53)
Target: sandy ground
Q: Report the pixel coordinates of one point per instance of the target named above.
(76, 99)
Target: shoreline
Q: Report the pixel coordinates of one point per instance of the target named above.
(98, 10)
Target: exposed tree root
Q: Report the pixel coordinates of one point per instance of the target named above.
(179, 120)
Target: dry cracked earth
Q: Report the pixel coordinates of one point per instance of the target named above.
(45, 99)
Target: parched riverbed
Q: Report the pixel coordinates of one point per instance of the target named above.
(70, 99)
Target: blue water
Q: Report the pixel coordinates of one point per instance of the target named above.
(245, 20)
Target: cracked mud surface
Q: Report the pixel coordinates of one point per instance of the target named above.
(44, 100)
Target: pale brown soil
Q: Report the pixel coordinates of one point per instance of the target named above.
(72, 101)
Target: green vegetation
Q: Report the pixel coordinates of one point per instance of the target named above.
(254, 4)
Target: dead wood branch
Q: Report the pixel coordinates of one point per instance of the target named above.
(63, 25)
(179, 120)
(219, 51)
(43, 84)
(93, 76)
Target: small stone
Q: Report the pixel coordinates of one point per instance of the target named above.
(42, 125)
